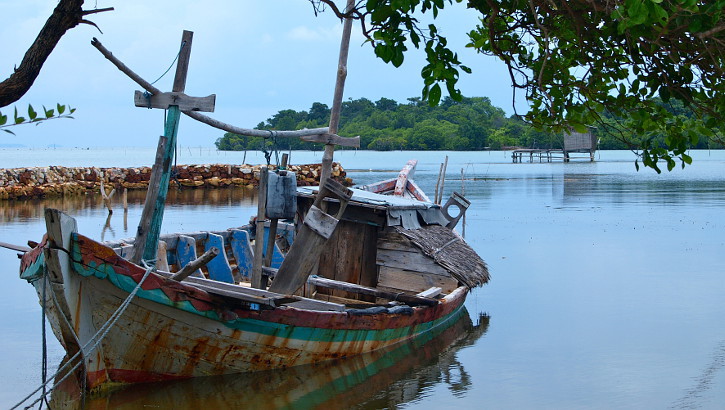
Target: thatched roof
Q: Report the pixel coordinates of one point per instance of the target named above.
(450, 251)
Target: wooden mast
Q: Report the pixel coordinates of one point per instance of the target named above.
(339, 90)
(147, 236)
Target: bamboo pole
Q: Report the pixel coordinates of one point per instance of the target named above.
(337, 97)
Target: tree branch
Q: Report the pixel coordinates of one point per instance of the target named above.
(67, 14)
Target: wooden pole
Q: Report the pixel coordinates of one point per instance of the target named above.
(154, 208)
(337, 98)
(443, 180)
(258, 280)
(192, 266)
(438, 184)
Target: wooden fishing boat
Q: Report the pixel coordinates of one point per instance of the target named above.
(394, 271)
(360, 271)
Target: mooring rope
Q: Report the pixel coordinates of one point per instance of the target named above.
(103, 331)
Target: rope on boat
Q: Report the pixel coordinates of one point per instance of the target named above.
(95, 340)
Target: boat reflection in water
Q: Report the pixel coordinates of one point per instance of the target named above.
(380, 379)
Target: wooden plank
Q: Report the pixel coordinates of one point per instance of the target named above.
(218, 267)
(380, 187)
(242, 251)
(401, 184)
(186, 252)
(417, 192)
(162, 260)
(164, 100)
(350, 287)
(210, 285)
(412, 261)
(320, 222)
(402, 279)
(431, 292)
(396, 242)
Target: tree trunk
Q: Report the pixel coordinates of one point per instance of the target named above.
(66, 15)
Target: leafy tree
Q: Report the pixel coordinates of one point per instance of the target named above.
(579, 62)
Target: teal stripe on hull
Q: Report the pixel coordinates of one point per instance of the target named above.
(105, 271)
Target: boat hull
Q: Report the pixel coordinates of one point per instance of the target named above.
(171, 330)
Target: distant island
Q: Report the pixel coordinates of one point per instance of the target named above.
(384, 125)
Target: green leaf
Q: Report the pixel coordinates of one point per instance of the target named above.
(31, 113)
(3, 119)
(61, 109)
(434, 95)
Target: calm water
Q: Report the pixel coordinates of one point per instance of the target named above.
(607, 289)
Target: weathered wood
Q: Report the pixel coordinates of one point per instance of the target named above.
(401, 183)
(165, 100)
(430, 293)
(186, 252)
(396, 278)
(18, 248)
(333, 139)
(218, 267)
(106, 197)
(144, 225)
(350, 287)
(352, 260)
(337, 97)
(196, 264)
(443, 180)
(254, 133)
(417, 192)
(305, 253)
(272, 237)
(211, 121)
(242, 291)
(242, 251)
(413, 261)
(320, 222)
(258, 280)
(438, 184)
(162, 260)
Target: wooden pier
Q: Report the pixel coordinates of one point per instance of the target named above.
(574, 142)
(543, 155)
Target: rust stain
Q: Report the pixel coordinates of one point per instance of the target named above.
(193, 357)
(77, 318)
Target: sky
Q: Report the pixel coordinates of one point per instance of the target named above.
(258, 57)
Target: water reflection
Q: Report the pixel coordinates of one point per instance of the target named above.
(32, 209)
(383, 379)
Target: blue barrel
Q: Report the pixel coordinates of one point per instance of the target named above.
(282, 195)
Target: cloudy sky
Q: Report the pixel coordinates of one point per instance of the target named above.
(258, 57)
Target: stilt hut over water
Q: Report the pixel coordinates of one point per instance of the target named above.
(578, 142)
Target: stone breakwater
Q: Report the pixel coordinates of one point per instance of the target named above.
(54, 181)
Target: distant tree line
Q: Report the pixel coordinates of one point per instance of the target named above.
(470, 124)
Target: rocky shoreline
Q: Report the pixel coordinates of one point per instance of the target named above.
(56, 181)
